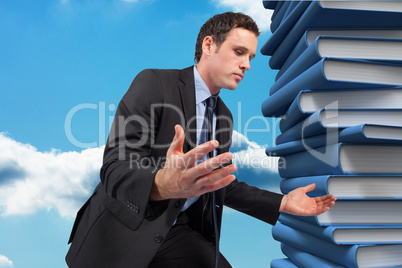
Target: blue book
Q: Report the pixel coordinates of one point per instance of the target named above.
(304, 259)
(344, 255)
(287, 24)
(346, 234)
(327, 120)
(276, 8)
(332, 74)
(363, 134)
(311, 34)
(348, 186)
(374, 212)
(292, 6)
(307, 102)
(333, 14)
(279, 15)
(282, 14)
(314, 125)
(343, 159)
(282, 263)
(386, 50)
(270, 4)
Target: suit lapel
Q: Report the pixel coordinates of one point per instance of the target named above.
(187, 96)
(224, 127)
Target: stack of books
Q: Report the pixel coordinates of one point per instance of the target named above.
(338, 91)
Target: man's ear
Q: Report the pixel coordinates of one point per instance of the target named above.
(208, 45)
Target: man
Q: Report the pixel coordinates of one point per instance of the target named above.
(159, 203)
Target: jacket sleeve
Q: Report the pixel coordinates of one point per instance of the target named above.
(129, 167)
(261, 204)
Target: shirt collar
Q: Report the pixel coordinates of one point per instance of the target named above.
(201, 89)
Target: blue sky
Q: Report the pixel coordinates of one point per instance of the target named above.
(64, 66)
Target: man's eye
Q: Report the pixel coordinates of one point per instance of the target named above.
(238, 52)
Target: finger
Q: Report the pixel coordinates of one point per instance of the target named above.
(198, 152)
(325, 198)
(327, 204)
(219, 184)
(320, 211)
(214, 177)
(308, 188)
(209, 165)
(176, 147)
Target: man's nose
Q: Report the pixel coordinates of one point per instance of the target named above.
(245, 64)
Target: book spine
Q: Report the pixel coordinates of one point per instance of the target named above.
(272, 44)
(320, 161)
(276, 21)
(278, 103)
(282, 263)
(340, 254)
(307, 59)
(296, 146)
(301, 46)
(292, 37)
(293, 115)
(292, 5)
(311, 126)
(269, 4)
(304, 259)
(321, 184)
(296, 222)
(276, 7)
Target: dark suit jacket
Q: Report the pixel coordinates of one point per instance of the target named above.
(118, 226)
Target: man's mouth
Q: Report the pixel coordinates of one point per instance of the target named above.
(239, 76)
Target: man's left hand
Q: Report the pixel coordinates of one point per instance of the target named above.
(297, 202)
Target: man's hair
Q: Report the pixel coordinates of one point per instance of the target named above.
(219, 26)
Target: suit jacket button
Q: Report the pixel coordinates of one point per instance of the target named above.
(137, 209)
(158, 238)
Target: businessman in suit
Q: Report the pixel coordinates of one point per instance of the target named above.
(163, 186)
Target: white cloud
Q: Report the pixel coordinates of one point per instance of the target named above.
(253, 165)
(253, 8)
(5, 262)
(248, 154)
(32, 180)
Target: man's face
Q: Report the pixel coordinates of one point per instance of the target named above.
(229, 62)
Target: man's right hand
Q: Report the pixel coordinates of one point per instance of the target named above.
(181, 178)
